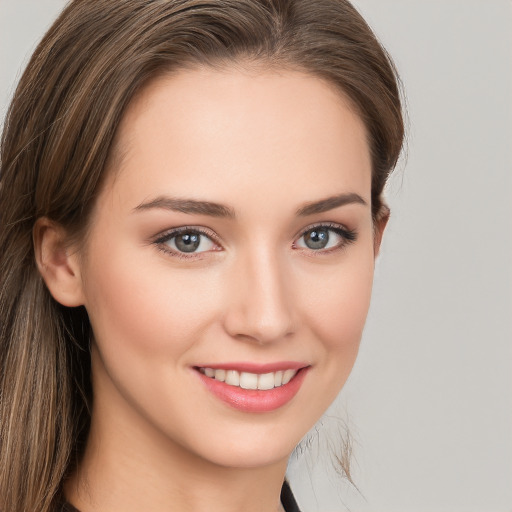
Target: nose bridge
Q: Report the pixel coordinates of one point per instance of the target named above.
(261, 306)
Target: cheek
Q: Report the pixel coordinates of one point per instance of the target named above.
(139, 306)
(122, 312)
(338, 308)
(346, 305)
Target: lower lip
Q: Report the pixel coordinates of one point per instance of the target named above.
(254, 400)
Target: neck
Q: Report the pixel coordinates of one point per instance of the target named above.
(128, 466)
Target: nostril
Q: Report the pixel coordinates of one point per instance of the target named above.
(261, 333)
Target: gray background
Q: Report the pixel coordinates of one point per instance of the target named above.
(429, 403)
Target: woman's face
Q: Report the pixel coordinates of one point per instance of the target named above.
(234, 237)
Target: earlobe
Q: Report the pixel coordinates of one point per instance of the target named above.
(380, 224)
(58, 266)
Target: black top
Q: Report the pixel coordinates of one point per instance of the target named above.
(287, 499)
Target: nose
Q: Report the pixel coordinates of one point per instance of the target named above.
(260, 304)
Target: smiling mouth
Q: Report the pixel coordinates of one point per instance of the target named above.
(247, 380)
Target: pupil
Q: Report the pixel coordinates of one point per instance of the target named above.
(317, 238)
(187, 242)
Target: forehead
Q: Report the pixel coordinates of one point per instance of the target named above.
(212, 131)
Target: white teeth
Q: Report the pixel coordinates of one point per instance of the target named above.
(266, 381)
(287, 376)
(232, 378)
(220, 375)
(246, 380)
(249, 380)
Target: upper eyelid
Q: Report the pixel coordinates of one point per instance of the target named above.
(169, 233)
(210, 233)
(329, 225)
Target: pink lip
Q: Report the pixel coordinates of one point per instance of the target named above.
(255, 400)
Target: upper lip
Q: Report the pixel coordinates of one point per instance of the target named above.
(256, 367)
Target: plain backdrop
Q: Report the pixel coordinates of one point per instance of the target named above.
(429, 403)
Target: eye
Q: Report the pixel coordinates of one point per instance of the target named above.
(325, 237)
(185, 241)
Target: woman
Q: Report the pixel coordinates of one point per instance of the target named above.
(191, 205)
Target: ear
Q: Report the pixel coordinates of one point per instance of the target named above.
(380, 224)
(57, 264)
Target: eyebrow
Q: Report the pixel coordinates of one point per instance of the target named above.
(193, 206)
(324, 205)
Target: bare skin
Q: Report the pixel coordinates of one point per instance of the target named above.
(265, 145)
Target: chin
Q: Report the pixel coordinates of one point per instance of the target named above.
(251, 454)
(251, 443)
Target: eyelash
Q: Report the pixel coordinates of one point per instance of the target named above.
(162, 240)
(348, 237)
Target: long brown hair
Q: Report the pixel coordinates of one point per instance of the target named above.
(58, 136)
